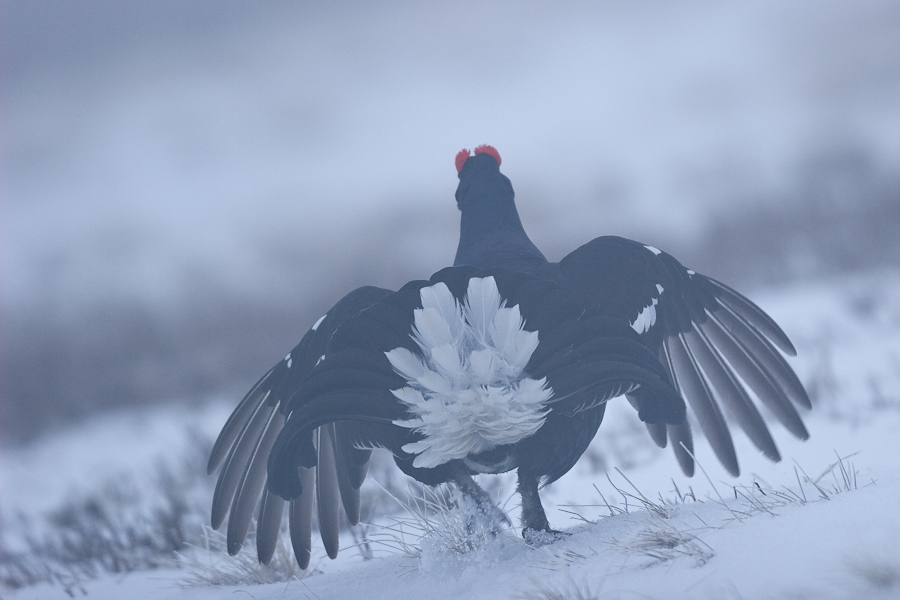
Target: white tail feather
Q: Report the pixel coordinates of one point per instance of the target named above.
(431, 329)
(468, 391)
(406, 363)
(482, 303)
(440, 299)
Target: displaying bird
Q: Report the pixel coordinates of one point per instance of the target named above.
(503, 361)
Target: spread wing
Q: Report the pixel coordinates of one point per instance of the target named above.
(472, 361)
(243, 446)
(720, 350)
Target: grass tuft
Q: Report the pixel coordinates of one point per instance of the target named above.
(210, 565)
(125, 525)
(438, 521)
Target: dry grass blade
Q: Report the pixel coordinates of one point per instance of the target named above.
(440, 517)
(209, 565)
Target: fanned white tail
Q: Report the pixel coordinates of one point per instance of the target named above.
(468, 391)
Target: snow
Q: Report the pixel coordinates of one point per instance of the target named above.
(768, 534)
(40, 477)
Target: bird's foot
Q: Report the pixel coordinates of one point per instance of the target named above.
(477, 505)
(543, 537)
(482, 514)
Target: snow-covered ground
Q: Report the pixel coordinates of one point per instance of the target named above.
(638, 529)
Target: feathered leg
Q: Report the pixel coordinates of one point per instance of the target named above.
(535, 527)
(486, 507)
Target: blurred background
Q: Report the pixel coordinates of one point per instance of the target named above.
(186, 186)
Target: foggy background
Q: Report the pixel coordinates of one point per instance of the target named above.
(186, 186)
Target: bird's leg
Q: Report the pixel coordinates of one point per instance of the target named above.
(535, 527)
(533, 515)
(483, 502)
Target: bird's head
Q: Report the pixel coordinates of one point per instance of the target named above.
(490, 231)
(480, 179)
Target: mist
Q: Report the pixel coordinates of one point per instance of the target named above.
(187, 186)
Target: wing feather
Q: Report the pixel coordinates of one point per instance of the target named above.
(731, 393)
(243, 447)
(300, 520)
(689, 379)
(352, 465)
(239, 457)
(715, 343)
(252, 483)
(754, 315)
(268, 526)
(767, 356)
(327, 500)
(238, 419)
(747, 365)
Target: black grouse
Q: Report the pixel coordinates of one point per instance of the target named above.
(502, 361)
